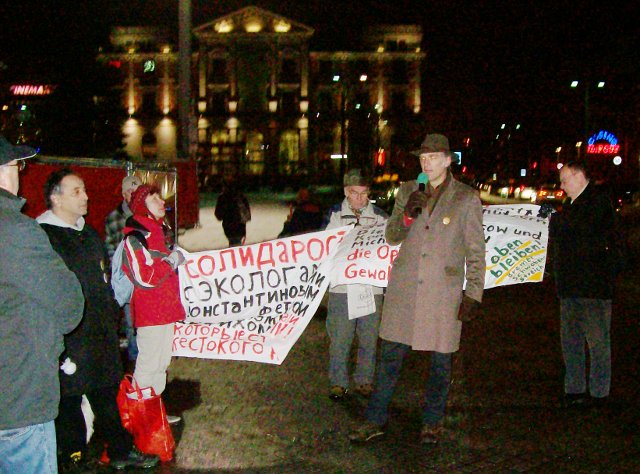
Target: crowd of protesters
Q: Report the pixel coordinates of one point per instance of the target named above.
(55, 280)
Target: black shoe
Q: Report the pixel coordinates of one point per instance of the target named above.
(574, 400)
(134, 459)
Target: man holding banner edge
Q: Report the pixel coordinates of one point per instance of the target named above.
(353, 308)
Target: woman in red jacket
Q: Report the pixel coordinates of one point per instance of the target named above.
(155, 303)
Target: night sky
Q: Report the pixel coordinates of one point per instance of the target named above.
(487, 62)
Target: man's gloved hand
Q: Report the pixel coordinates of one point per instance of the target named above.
(416, 202)
(546, 210)
(175, 259)
(468, 309)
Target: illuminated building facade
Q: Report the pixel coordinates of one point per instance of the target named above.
(264, 105)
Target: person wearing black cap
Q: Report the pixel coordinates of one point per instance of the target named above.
(40, 301)
(440, 228)
(354, 209)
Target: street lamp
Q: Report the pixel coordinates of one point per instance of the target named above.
(343, 122)
(587, 88)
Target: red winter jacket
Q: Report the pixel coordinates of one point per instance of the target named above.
(156, 293)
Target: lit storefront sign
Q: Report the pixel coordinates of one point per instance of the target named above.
(31, 89)
(149, 66)
(603, 142)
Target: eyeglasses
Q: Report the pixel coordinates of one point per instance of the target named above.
(21, 164)
(363, 194)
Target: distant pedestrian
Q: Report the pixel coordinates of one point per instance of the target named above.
(40, 301)
(232, 208)
(354, 209)
(304, 215)
(113, 227)
(93, 347)
(442, 238)
(581, 237)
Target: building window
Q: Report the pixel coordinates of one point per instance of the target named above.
(325, 72)
(217, 104)
(289, 103)
(399, 72)
(362, 68)
(254, 153)
(290, 73)
(399, 102)
(217, 73)
(149, 106)
(288, 152)
(220, 152)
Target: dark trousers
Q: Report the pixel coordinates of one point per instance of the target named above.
(392, 355)
(71, 430)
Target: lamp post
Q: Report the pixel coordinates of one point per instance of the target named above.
(587, 89)
(343, 122)
(184, 77)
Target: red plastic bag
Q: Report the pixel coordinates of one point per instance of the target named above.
(144, 416)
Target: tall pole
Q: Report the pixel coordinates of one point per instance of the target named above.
(586, 113)
(184, 77)
(343, 131)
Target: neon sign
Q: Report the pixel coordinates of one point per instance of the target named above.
(603, 142)
(31, 89)
(149, 66)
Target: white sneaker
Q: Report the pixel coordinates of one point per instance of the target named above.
(173, 419)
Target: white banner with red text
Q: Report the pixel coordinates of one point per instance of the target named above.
(253, 302)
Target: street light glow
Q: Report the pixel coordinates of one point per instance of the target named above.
(336, 78)
(600, 84)
(574, 84)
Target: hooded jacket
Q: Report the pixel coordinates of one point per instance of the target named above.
(94, 344)
(40, 301)
(156, 293)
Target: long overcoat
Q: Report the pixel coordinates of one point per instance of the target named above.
(426, 283)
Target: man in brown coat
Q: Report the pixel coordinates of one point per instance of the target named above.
(440, 227)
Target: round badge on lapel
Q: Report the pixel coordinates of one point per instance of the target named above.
(446, 221)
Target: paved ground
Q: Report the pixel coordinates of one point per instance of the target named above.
(503, 412)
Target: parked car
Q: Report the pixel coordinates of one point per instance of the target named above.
(549, 193)
(524, 191)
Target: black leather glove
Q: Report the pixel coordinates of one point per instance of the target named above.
(416, 202)
(545, 210)
(468, 309)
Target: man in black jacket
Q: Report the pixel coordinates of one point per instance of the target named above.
(40, 301)
(93, 346)
(581, 238)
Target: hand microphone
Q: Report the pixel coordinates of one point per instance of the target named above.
(423, 179)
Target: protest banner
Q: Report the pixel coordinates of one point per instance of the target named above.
(253, 302)
(516, 249)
